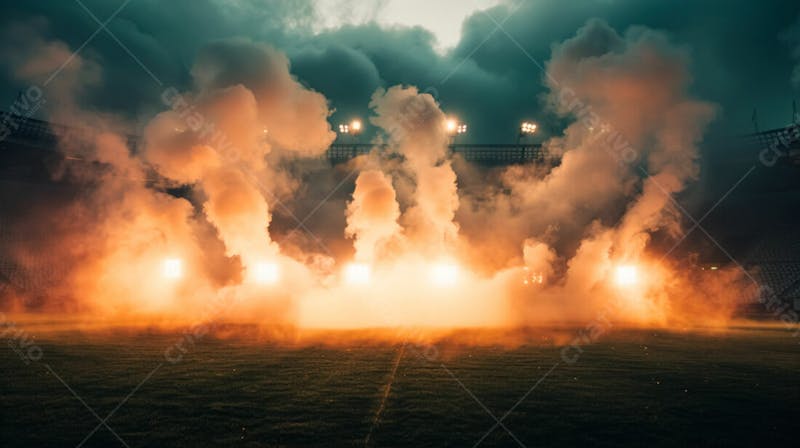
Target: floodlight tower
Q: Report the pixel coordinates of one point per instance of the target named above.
(454, 129)
(526, 128)
(353, 128)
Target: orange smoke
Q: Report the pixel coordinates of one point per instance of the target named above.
(372, 214)
(532, 246)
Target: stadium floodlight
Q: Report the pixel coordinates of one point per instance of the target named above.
(344, 129)
(451, 125)
(528, 128)
(454, 128)
(355, 126)
(532, 278)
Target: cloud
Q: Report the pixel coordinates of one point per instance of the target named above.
(727, 63)
(792, 37)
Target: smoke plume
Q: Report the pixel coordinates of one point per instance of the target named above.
(372, 214)
(182, 224)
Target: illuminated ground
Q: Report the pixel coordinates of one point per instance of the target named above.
(640, 388)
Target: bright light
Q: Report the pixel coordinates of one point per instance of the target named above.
(266, 273)
(172, 268)
(451, 125)
(444, 274)
(626, 275)
(355, 126)
(357, 273)
(532, 278)
(528, 128)
(344, 129)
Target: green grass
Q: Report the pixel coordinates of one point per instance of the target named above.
(633, 388)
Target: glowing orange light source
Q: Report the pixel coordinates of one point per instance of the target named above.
(266, 273)
(172, 268)
(355, 126)
(532, 278)
(357, 273)
(444, 274)
(626, 275)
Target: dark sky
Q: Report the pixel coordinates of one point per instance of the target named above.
(743, 52)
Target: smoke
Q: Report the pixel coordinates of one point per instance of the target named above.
(372, 215)
(539, 258)
(633, 119)
(631, 146)
(184, 223)
(417, 130)
(637, 86)
(633, 93)
(61, 78)
(246, 105)
(124, 228)
(294, 116)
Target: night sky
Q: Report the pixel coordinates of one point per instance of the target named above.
(743, 54)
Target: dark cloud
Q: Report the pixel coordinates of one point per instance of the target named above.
(492, 78)
(792, 37)
(352, 83)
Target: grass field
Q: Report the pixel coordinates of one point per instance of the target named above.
(737, 388)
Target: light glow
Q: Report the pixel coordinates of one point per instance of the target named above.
(626, 275)
(532, 278)
(528, 127)
(357, 273)
(355, 126)
(451, 125)
(172, 268)
(266, 273)
(454, 127)
(444, 274)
